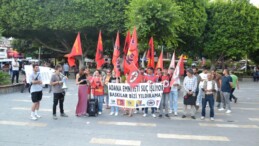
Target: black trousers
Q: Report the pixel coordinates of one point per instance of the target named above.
(232, 95)
(15, 74)
(58, 98)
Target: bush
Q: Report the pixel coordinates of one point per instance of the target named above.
(4, 78)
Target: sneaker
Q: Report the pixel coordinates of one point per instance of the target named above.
(153, 115)
(166, 115)
(136, 111)
(211, 118)
(175, 114)
(171, 111)
(55, 117)
(111, 113)
(221, 109)
(63, 115)
(193, 117)
(116, 114)
(202, 118)
(99, 113)
(34, 118)
(160, 116)
(37, 116)
(183, 116)
(235, 100)
(228, 111)
(144, 115)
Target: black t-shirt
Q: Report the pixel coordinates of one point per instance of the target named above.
(113, 79)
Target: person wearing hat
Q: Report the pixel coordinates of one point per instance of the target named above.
(190, 86)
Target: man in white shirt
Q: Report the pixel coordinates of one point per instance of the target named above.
(15, 69)
(66, 69)
(209, 88)
(203, 77)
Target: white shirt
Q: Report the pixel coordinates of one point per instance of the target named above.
(209, 86)
(66, 67)
(175, 88)
(14, 63)
(203, 77)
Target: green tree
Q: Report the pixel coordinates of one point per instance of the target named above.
(195, 19)
(232, 29)
(54, 24)
(160, 19)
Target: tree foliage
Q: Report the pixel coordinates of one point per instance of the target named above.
(232, 29)
(160, 19)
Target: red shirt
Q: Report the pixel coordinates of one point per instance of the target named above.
(151, 78)
(97, 87)
(166, 82)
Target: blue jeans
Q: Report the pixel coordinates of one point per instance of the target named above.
(100, 102)
(152, 110)
(199, 97)
(173, 100)
(115, 109)
(210, 99)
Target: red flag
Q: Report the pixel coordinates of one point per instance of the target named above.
(172, 64)
(181, 66)
(116, 56)
(160, 61)
(132, 55)
(76, 51)
(135, 76)
(150, 54)
(177, 71)
(99, 52)
(125, 51)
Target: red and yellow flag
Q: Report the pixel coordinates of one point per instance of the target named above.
(125, 51)
(76, 51)
(150, 54)
(116, 56)
(99, 52)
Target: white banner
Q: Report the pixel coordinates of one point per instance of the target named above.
(45, 73)
(143, 95)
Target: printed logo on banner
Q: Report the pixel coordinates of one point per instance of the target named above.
(121, 102)
(134, 76)
(112, 102)
(157, 102)
(138, 103)
(151, 102)
(166, 83)
(130, 103)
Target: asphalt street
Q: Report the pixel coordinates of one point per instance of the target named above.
(240, 128)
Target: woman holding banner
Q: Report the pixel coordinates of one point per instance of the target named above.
(81, 81)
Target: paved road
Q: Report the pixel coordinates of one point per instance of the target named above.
(240, 128)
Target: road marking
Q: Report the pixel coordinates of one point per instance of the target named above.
(193, 137)
(249, 102)
(198, 119)
(15, 123)
(127, 124)
(115, 142)
(250, 109)
(21, 100)
(227, 125)
(41, 109)
(254, 119)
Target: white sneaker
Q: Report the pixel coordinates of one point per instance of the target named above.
(111, 113)
(116, 114)
(33, 117)
(175, 114)
(144, 115)
(197, 103)
(202, 118)
(136, 111)
(211, 118)
(37, 116)
(171, 111)
(99, 113)
(221, 109)
(228, 111)
(153, 115)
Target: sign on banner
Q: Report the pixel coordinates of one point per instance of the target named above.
(143, 95)
(45, 73)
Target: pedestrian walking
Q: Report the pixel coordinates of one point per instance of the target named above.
(235, 85)
(15, 70)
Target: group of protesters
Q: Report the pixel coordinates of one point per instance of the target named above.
(198, 89)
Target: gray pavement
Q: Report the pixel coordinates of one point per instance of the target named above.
(240, 128)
